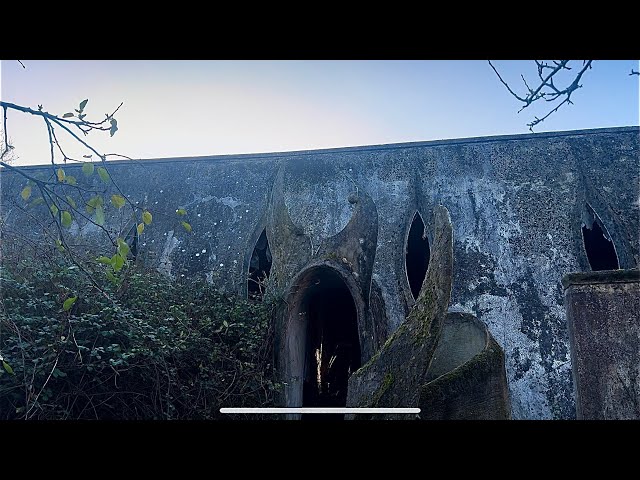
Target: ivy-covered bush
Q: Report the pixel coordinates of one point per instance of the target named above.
(149, 349)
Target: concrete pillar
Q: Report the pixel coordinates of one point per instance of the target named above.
(603, 315)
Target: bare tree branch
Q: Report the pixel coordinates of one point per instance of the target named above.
(547, 88)
(633, 72)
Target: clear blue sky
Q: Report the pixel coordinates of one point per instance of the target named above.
(185, 108)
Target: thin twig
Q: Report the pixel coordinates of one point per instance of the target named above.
(35, 401)
(546, 89)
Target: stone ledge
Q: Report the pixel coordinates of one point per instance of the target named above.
(603, 276)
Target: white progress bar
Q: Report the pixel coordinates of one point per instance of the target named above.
(285, 410)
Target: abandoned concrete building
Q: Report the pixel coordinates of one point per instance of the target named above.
(475, 233)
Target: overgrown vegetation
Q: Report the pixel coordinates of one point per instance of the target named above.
(151, 349)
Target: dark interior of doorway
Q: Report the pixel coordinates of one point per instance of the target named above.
(333, 346)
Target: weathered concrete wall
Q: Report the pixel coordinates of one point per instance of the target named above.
(516, 206)
(603, 314)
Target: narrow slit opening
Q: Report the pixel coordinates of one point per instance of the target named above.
(259, 268)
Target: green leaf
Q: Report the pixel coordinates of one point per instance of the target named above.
(95, 201)
(89, 209)
(26, 193)
(70, 179)
(66, 219)
(54, 209)
(112, 278)
(104, 175)
(186, 226)
(8, 368)
(226, 325)
(118, 201)
(71, 201)
(123, 248)
(83, 104)
(117, 261)
(99, 216)
(87, 168)
(140, 228)
(59, 245)
(181, 211)
(36, 202)
(67, 115)
(68, 303)
(60, 174)
(103, 259)
(147, 217)
(114, 127)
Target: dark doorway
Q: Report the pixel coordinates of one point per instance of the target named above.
(600, 250)
(417, 255)
(332, 344)
(259, 267)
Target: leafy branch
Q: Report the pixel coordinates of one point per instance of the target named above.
(548, 86)
(64, 197)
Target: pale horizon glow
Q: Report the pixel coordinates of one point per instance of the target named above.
(200, 108)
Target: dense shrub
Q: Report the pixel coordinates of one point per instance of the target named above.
(151, 349)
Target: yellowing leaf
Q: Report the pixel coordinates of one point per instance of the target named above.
(104, 175)
(26, 193)
(123, 248)
(186, 226)
(117, 261)
(87, 169)
(68, 303)
(118, 201)
(95, 201)
(147, 217)
(140, 228)
(112, 278)
(8, 368)
(66, 219)
(99, 216)
(60, 174)
(181, 211)
(59, 245)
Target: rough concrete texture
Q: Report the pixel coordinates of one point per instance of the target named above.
(467, 379)
(394, 375)
(517, 205)
(603, 314)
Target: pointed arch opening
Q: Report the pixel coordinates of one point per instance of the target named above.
(321, 342)
(259, 268)
(598, 244)
(417, 254)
